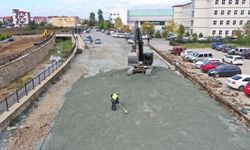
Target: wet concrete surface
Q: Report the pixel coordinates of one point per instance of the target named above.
(165, 110)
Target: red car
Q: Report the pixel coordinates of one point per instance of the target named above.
(210, 65)
(177, 50)
(247, 89)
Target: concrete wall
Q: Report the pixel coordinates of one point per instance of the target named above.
(17, 68)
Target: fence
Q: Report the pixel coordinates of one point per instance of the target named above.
(17, 55)
(23, 91)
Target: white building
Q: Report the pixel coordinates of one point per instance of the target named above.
(159, 17)
(20, 18)
(213, 17)
(122, 13)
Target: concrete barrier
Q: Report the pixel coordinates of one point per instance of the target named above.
(27, 101)
(15, 69)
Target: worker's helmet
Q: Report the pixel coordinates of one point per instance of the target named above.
(117, 93)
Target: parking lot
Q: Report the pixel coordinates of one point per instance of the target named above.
(245, 68)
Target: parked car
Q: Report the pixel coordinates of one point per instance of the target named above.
(215, 44)
(210, 65)
(98, 41)
(233, 59)
(200, 56)
(240, 50)
(224, 71)
(185, 53)
(89, 38)
(227, 47)
(238, 81)
(247, 89)
(220, 47)
(232, 50)
(177, 50)
(130, 41)
(246, 54)
(205, 61)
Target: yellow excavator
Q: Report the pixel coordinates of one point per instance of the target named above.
(45, 36)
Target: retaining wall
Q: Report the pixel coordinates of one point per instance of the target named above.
(17, 68)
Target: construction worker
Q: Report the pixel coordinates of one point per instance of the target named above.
(114, 100)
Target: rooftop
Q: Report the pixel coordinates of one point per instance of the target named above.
(150, 12)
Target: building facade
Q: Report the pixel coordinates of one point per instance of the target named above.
(20, 18)
(40, 19)
(213, 17)
(158, 17)
(64, 21)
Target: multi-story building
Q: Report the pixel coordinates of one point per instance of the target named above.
(158, 17)
(64, 21)
(213, 17)
(40, 19)
(20, 18)
(6, 21)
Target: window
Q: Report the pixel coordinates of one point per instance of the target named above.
(216, 2)
(229, 12)
(242, 12)
(234, 22)
(201, 55)
(214, 32)
(221, 22)
(248, 12)
(236, 2)
(235, 12)
(214, 22)
(220, 32)
(226, 32)
(228, 22)
(223, 2)
(205, 55)
(233, 32)
(222, 12)
(243, 2)
(230, 2)
(215, 12)
(241, 22)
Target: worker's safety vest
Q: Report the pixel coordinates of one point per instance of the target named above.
(114, 96)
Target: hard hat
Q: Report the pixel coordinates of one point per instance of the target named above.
(117, 93)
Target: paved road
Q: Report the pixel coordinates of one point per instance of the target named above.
(165, 110)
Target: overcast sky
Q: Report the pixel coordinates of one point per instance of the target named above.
(80, 8)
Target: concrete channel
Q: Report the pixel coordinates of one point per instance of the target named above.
(166, 111)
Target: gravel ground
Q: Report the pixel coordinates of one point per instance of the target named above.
(165, 110)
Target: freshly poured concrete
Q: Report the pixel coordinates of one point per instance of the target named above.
(165, 112)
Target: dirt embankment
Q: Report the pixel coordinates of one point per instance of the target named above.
(228, 98)
(20, 44)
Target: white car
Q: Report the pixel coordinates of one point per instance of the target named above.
(185, 53)
(238, 81)
(130, 41)
(199, 63)
(233, 59)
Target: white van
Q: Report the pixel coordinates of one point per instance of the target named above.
(201, 56)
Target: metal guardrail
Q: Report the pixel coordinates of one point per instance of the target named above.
(19, 93)
(10, 58)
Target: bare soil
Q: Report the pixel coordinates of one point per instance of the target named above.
(20, 44)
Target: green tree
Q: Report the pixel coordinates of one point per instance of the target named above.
(200, 35)
(92, 20)
(187, 34)
(42, 24)
(181, 30)
(239, 33)
(118, 23)
(126, 28)
(247, 28)
(158, 34)
(194, 37)
(1, 24)
(32, 25)
(172, 27)
(148, 28)
(100, 16)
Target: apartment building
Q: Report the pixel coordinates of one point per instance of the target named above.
(20, 18)
(64, 21)
(40, 19)
(213, 17)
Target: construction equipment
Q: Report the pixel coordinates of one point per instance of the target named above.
(139, 61)
(45, 33)
(123, 109)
